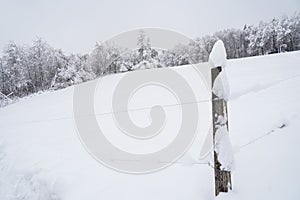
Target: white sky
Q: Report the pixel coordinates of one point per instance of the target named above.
(75, 26)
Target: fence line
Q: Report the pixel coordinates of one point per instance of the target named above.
(147, 108)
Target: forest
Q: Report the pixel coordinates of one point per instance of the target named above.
(28, 69)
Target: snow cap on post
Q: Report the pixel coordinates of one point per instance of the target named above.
(217, 56)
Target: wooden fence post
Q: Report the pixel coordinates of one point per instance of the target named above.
(219, 108)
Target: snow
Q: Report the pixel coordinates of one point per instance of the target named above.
(41, 156)
(217, 56)
(224, 149)
(145, 64)
(221, 86)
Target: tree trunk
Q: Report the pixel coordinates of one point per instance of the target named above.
(219, 108)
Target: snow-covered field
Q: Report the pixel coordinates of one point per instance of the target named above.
(41, 156)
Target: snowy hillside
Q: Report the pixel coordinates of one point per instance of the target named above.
(41, 156)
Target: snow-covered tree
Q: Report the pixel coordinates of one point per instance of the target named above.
(103, 58)
(75, 71)
(145, 51)
(15, 73)
(292, 32)
(42, 64)
(127, 60)
(145, 57)
(25, 70)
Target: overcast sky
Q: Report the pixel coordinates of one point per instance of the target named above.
(75, 26)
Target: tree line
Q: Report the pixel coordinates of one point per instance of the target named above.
(28, 69)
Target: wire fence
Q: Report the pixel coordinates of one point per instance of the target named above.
(148, 108)
(203, 162)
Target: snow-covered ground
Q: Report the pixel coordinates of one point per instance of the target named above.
(41, 156)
